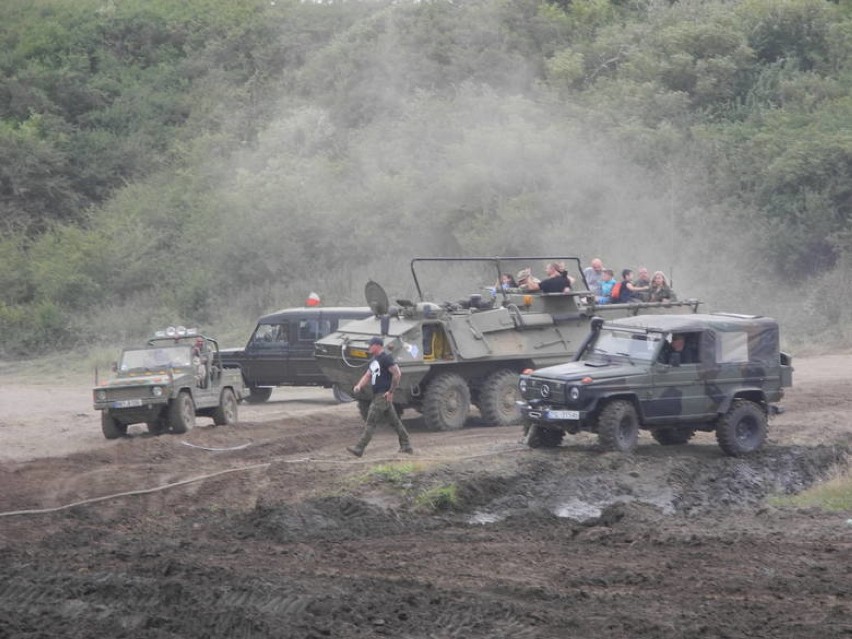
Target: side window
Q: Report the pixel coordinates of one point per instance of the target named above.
(308, 329)
(325, 327)
(283, 335)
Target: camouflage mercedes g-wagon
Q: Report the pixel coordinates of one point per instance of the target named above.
(670, 374)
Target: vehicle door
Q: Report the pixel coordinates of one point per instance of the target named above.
(303, 365)
(679, 389)
(267, 354)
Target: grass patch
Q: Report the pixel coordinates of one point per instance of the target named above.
(438, 498)
(834, 495)
(394, 473)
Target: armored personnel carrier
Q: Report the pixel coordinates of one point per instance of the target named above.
(471, 351)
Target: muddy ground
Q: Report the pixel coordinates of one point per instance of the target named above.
(270, 529)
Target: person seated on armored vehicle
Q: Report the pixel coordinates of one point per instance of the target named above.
(594, 274)
(526, 280)
(557, 281)
(627, 291)
(659, 291)
(605, 286)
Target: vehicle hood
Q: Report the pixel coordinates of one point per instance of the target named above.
(599, 371)
(136, 380)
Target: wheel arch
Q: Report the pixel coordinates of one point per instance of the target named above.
(755, 395)
(602, 401)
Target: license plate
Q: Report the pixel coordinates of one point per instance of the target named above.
(358, 352)
(563, 414)
(126, 403)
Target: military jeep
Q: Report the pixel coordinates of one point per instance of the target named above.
(670, 374)
(175, 376)
(470, 350)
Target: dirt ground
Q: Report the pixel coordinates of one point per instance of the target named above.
(270, 529)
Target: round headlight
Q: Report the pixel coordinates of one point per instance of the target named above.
(157, 391)
(523, 385)
(574, 393)
(100, 395)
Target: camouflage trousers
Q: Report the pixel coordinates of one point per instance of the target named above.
(383, 412)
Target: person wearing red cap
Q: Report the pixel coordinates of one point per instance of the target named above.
(383, 375)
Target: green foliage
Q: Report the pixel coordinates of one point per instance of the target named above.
(394, 473)
(835, 495)
(438, 498)
(208, 160)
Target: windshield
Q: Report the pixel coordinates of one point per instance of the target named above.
(613, 342)
(156, 358)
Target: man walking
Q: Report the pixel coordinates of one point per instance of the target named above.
(383, 375)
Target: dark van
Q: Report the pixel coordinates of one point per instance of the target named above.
(280, 351)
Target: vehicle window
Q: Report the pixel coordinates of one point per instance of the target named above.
(610, 342)
(308, 329)
(155, 358)
(271, 334)
(732, 347)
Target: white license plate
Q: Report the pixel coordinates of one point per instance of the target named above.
(563, 414)
(126, 403)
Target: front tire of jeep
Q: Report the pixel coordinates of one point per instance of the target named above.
(259, 394)
(446, 402)
(742, 430)
(226, 412)
(497, 399)
(672, 436)
(181, 413)
(544, 437)
(618, 426)
(111, 427)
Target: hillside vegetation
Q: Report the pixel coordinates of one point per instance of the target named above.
(205, 161)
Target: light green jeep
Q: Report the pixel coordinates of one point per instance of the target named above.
(670, 374)
(175, 376)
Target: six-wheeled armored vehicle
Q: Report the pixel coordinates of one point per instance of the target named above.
(670, 374)
(471, 351)
(175, 376)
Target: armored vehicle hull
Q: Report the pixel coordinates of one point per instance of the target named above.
(456, 354)
(670, 374)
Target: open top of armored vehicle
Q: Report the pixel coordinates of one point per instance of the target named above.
(470, 351)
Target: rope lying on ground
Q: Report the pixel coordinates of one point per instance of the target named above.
(191, 480)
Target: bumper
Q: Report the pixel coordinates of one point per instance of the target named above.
(556, 416)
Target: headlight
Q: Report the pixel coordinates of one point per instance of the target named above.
(574, 393)
(157, 391)
(100, 395)
(523, 385)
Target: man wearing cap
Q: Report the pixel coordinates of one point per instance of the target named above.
(383, 375)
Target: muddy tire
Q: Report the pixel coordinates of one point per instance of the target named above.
(497, 399)
(618, 426)
(111, 427)
(544, 437)
(259, 394)
(181, 413)
(225, 413)
(446, 402)
(742, 430)
(672, 436)
(341, 395)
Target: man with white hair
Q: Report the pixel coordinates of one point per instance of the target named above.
(594, 275)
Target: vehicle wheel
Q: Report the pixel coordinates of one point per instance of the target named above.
(497, 399)
(226, 411)
(446, 402)
(742, 430)
(341, 395)
(544, 437)
(259, 394)
(157, 427)
(182, 413)
(111, 427)
(672, 436)
(618, 426)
